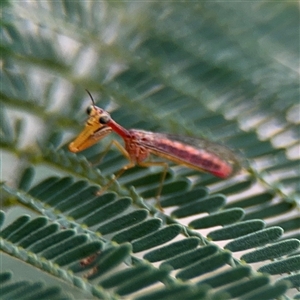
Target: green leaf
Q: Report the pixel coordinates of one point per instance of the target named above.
(255, 239)
(137, 231)
(293, 279)
(142, 281)
(59, 248)
(273, 292)
(272, 210)
(26, 179)
(252, 200)
(91, 205)
(206, 265)
(28, 290)
(110, 259)
(241, 289)
(181, 291)
(290, 264)
(172, 249)
(156, 238)
(278, 249)
(5, 276)
(226, 277)
(14, 227)
(78, 253)
(27, 229)
(123, 222)
(189, 196)
(220, 218)
(236, 230)
(38, 235)
(51, 240)
(107, 212)
(38, 190)
(208, 204)
(2, 218)
(124, 276)
(190, 257)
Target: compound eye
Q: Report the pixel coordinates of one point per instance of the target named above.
(104, 119)
(89, 109)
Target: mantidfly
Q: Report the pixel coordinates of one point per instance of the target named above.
(194, 153)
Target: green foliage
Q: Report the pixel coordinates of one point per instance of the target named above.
(27, 290)
(220, 70)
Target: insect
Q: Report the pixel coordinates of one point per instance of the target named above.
(194, 153)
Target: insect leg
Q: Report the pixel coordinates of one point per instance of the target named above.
(165, 167)
(107, 148)
(122, 170)
(116, 176)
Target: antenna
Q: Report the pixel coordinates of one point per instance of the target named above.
(91, 97)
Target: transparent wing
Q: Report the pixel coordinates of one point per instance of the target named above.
(196, 153)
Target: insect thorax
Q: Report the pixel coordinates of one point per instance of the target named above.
(135, 148)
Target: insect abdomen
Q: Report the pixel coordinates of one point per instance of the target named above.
(193, 157)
